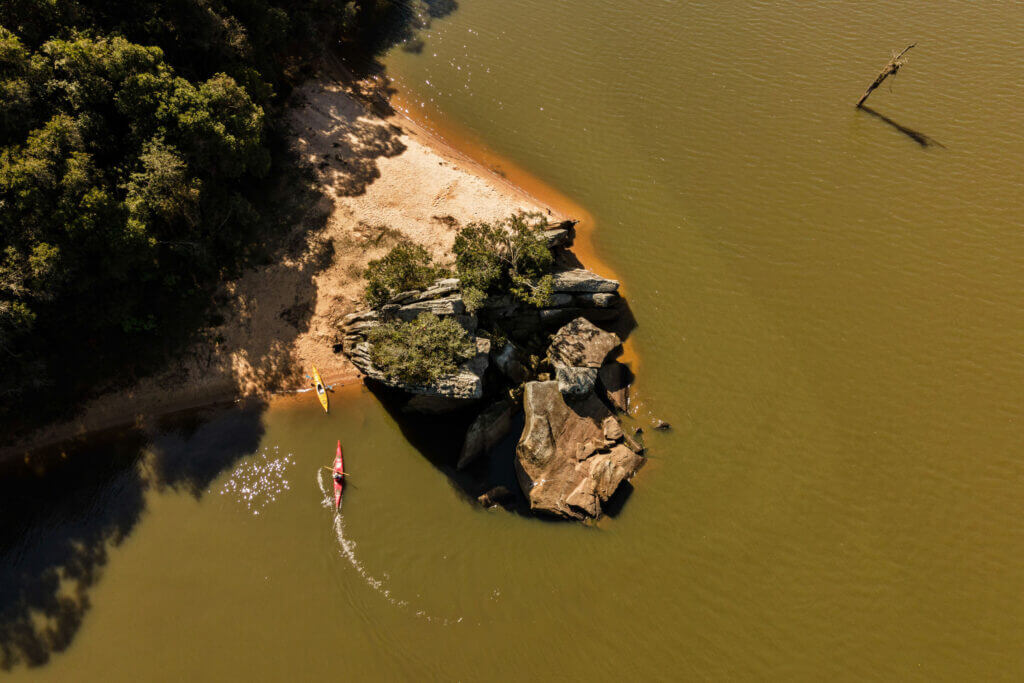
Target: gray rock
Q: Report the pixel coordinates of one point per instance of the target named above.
(360, 316)
(581, 280)
(404, 297)
(558, 238)
(581, 343)
(556, 317)
(563, 462)
(361, 327)
(661, 425)
(440, 307)
(487, 429)
(561, 235)
(577, 351)
(574, 381)
(507, 361)
(560, 300)
(440, 288)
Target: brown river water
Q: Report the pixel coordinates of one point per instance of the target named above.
(830, 313)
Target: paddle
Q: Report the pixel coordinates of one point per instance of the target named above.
(331, 470)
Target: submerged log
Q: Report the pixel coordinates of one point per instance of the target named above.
(889, 69)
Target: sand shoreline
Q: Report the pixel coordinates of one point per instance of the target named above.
(374, 171)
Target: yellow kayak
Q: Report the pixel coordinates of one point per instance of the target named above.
(321, 390)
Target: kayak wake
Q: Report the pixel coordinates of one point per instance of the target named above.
(347, 549)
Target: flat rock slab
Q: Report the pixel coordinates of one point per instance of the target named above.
(581, 280)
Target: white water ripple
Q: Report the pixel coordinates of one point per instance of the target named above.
(347, 549)
(257, 482)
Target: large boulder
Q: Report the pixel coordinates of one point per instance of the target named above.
(583, 344)
(577, 351)
(575, 381)
(569, 461)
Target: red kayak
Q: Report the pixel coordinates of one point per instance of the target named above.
(339, 476)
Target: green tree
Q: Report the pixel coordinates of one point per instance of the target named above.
(510, 254)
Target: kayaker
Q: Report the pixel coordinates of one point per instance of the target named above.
(339, 477)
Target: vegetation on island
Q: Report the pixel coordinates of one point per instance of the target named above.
(509, 255)
(421, 351)
(407, 266)
(143, 161)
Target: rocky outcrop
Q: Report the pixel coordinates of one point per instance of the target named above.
(577, 351)
(576, 293)
(561, 236)
(570, 460)
(588, 296)
(582, 344)
(573, 453)
(583, 282)
(574, 382)
(451, 392)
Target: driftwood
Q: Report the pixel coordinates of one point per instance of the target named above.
(889, 69)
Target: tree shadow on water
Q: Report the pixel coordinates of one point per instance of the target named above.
(60, 516)
(193, 449)
(63, 508)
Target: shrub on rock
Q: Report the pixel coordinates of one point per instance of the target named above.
(421, 351)
(512, 254)
(407, 266)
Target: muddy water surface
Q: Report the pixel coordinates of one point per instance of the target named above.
(830, 314)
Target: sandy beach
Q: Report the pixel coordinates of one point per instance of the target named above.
(382, 179)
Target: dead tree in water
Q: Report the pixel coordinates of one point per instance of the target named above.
(889, 69)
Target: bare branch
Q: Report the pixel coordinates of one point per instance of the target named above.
(889, 69)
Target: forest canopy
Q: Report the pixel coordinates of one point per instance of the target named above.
(140, 141)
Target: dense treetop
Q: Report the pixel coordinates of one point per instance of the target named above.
(139, 145)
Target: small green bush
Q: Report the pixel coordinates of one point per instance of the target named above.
(407, 266)
(511, 253)
(421, 351)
